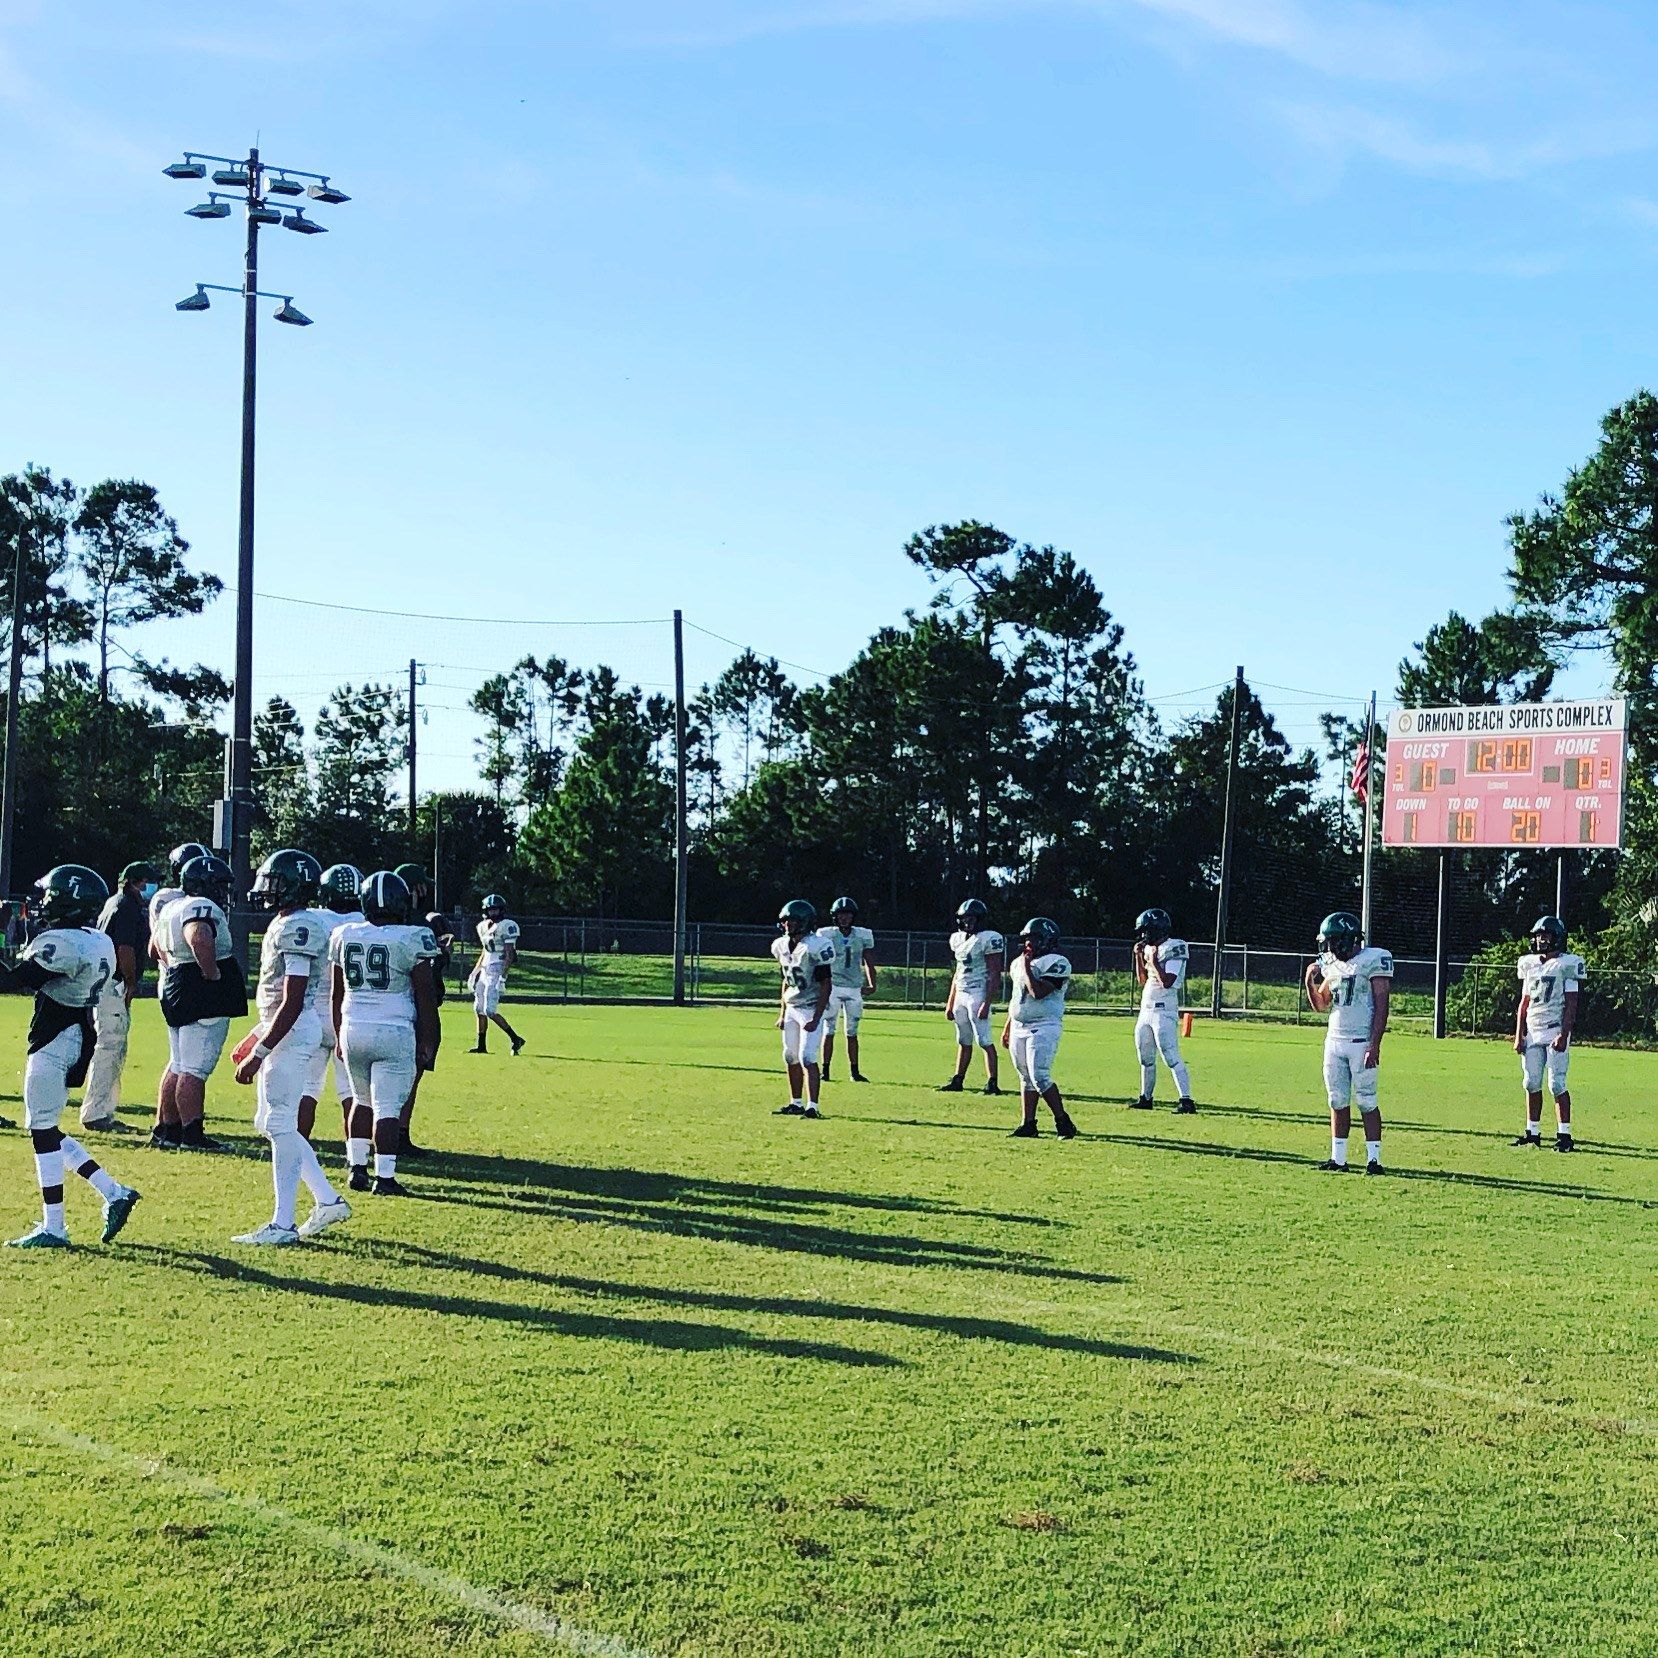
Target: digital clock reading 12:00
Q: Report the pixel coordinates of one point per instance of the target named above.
(1500, 756)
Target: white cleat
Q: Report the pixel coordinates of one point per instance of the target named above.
(269, 1234)
(323, 1216)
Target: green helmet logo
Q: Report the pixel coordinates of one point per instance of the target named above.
(70, 896)
(1341, 934)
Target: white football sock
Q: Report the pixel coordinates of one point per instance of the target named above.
(76, 1157)
(286, 1160)
(49, 1168)
(311, 1172)
(1182, 1078)
(385, 1165)
(356, 1152)
(1373, 1150)
(1338, 1149)
(1148, 1081)
(52, 1214)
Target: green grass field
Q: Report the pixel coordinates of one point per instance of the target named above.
(646, 1369)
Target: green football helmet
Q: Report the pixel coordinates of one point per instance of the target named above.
(386, 897)
(1040, 933)
(1152, 926)
(971, 914)
(71, 895)
(181, 855)
(414, 877)
(1341, 934)
(341, 886)
(286, 880)
(1548, 935)
(843, 906)
(208, 876)
(797, 917)
(495, 906)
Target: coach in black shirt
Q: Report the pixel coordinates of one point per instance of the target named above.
(126, 918)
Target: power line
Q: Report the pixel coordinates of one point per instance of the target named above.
(480, 621)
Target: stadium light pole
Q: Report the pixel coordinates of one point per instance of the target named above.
(257, 184)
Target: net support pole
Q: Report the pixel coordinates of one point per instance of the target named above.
(1441, 949)
(1560, 885)
(1228, 815)
(681, 811)
(1369, 815)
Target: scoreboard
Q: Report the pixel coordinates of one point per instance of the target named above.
(1533, 774)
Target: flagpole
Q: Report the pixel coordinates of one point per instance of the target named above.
(1369, 816)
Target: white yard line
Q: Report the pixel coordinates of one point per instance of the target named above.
(557, 1631)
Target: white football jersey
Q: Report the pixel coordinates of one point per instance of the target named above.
(847, 970)
(293, 944)
(1026, 1009)
(494, 939)
(972, 952)
(1173, 956)
(378, 964)
(1545, 980)
(166, 896)
(799, 964)
(81, 961)
(1349, 984)
(183, 912)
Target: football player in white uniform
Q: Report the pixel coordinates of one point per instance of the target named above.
(1160, 970)
(805, 959)
(67, 967)
(1035, 1017)
(385, 1009)
(419, 883)
(165, 1135)
(980, 956)
(339, 899)
(1353, 985)
(123, 919)
(852, 974)
(203, 989)
(497, 951)
(279, 1052)
(1543, 1028)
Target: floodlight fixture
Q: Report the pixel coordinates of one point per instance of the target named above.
(282, 185)
(287, 311)
(306, 227)
(263, 215)
(186, 169)
(198, 301)
(325, 192)
(233, 178)
(212, 208)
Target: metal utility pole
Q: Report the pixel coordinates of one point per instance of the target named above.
(1370, 778)
(14, 693)
(413, 666)
(257, 186)
(1229, 814)
(1441, 950)
(681, 812)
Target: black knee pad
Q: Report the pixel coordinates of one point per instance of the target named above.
(46, 1139)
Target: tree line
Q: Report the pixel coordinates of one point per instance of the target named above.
(995, 740)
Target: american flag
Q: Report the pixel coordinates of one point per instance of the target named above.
(1359, 782)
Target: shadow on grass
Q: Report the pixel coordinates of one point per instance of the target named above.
(672, 1334)
(652, 1186)
(967, 1328)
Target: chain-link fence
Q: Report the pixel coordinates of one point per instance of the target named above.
(576, 960)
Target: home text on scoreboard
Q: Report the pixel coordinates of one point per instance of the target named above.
(1521, 775)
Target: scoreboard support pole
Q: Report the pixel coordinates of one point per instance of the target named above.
(1560, 885)
(1223, 897)
(1441, 949)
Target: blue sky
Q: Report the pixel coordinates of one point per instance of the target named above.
(1270, 311)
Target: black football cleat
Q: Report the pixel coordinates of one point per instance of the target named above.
(992, 1087)
(479, 1049)
(811, 1114)
(1564, 1142)
(1025, 1131)
(793, 1109)
(1331, 1166)
(953, 1086)
(360, 1180)
(857, 1076)
(192, 1138)
(1141, 1104)
(1064, 1127)
(1374, 1168)
(1532, 1142)
(517, 1046)
(385, 1185)
(162, 1139)
(824, 1075)
(1185, 1108)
